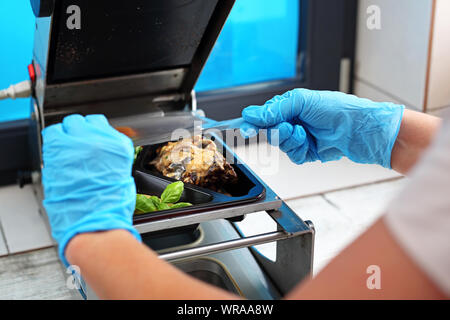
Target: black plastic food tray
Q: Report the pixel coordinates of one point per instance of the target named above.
(151, 182)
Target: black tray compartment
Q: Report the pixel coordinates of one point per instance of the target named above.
(150, 181)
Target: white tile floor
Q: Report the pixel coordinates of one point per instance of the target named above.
(22, 225)
(291, 181)
(34, 275)
(333, 230)
(363, 205)
(340, 217)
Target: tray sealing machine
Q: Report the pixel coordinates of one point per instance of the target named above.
(137, 62)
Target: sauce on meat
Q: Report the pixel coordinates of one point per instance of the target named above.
(197, 161)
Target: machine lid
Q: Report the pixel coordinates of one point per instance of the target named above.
(105, 44)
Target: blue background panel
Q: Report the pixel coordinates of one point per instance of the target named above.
(16, 46)
(258, 43)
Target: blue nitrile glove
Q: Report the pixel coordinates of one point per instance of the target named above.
(87, 178)
(326, 126)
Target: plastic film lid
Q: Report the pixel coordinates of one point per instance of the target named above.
(158, 128)
(154, 128)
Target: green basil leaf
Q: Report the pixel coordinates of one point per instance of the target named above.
(180, 205)
(137, 151)
(163, 206)
(145, 204)
(173, 192)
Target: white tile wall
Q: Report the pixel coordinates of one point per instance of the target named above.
(365, 90)
(439, 85)
(395, 57)
(441, 112)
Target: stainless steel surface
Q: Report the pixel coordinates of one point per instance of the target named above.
(211, 271)
(65, 93)
(160, 127)
(146, 84)
(253, 281)
(268, 204)
(294, 255)
(311, 226)
(225, 246)
(287, 220)
(42, 38)
(114, 96)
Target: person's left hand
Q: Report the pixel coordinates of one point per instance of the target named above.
(87, 178)
(311, 125)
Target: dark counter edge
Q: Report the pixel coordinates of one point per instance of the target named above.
(15, 156)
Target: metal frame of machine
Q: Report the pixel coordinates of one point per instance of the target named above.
(52, 101)
(295, 238)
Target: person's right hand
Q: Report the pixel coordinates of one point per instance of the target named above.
(326, 126)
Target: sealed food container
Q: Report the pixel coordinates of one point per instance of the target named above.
(150, 181)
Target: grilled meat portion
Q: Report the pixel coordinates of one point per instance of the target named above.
(197, 161)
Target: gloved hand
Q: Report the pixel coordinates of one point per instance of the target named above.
(87, 178)
(326, 126)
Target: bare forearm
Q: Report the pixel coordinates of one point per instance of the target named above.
(416, 133)
(117, 266)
